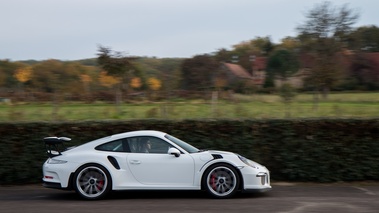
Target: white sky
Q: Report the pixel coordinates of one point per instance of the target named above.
(73, 29)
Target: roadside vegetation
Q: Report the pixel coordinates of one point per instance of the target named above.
(258, 106)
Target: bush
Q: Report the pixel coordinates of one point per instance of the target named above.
(319, 150)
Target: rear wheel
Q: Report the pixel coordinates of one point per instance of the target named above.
(92, 181)
(221, 180)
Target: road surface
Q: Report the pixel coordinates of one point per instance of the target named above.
(283, 198)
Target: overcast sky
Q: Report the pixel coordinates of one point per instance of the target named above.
(73, 29)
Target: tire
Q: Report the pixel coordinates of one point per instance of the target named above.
(221, 180)
(92, 181)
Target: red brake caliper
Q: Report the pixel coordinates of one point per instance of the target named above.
(100, 185)
(213, 180)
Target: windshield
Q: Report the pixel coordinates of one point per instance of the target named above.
(189, 148)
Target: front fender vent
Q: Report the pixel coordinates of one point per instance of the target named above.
(216, 156)
(114, 162)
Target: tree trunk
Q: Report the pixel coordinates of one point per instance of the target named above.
(315, 100)
(325, 92)
(118, 100)
(214, 102)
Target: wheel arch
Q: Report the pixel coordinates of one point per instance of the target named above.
(107, 170)
(207, 167)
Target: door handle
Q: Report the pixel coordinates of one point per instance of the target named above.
(135, 162)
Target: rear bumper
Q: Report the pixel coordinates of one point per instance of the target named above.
(52, 185)
(57, 185)
(56, 176)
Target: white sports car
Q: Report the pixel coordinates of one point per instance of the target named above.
(148, 160)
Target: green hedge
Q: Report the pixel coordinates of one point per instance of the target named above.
(320, 150)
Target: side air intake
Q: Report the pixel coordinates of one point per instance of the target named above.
(114, 162)
(216, 156)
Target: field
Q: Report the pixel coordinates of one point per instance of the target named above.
(346, 105)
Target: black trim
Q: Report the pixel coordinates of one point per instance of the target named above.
(71, 181)
(52, 185)
(114, 162)
(217, 156)
(255, 190)
(58, 185)
(54, 145)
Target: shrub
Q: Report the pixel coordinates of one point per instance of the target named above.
(318, 150)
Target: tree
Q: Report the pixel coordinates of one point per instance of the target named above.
(223, 55)
(197, 72)
(287, 93)
(7, 69)
(86, 80)
(283, 64)
(154, 84)
(46, 76)
(108, 80)
(324, 34)
(117, 65)
(258, 46)
(136, 83)
(364, 39)
(365, 71)
(23, 74)
(245, 52)
(289, 43)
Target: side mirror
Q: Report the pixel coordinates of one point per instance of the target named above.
(174, 151)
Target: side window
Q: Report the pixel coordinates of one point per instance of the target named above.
(147, 144)
(159, 146)
(114, 146)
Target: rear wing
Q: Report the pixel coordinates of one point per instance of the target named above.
(54, 145)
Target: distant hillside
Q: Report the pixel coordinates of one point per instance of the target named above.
(160, 66)
(150, 66)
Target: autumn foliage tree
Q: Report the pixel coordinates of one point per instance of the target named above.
(136, 83)
(23, 74)
(154, 84)
(108, 80)
(86, 80)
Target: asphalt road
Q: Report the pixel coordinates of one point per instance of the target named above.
(284, 197)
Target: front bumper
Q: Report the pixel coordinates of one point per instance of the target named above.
(256, 180)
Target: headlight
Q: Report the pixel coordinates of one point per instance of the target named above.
(247, 161)
(55, 161)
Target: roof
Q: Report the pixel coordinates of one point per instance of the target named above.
(99, 141)
(237, 70)
(138, 133)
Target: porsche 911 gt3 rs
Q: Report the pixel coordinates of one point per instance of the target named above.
(148, 160)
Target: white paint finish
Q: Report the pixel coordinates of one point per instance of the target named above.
(162, 169)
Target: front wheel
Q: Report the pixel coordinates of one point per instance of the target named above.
(221, 180)
(92, 181)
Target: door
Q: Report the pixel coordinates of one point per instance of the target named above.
(156, 166)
